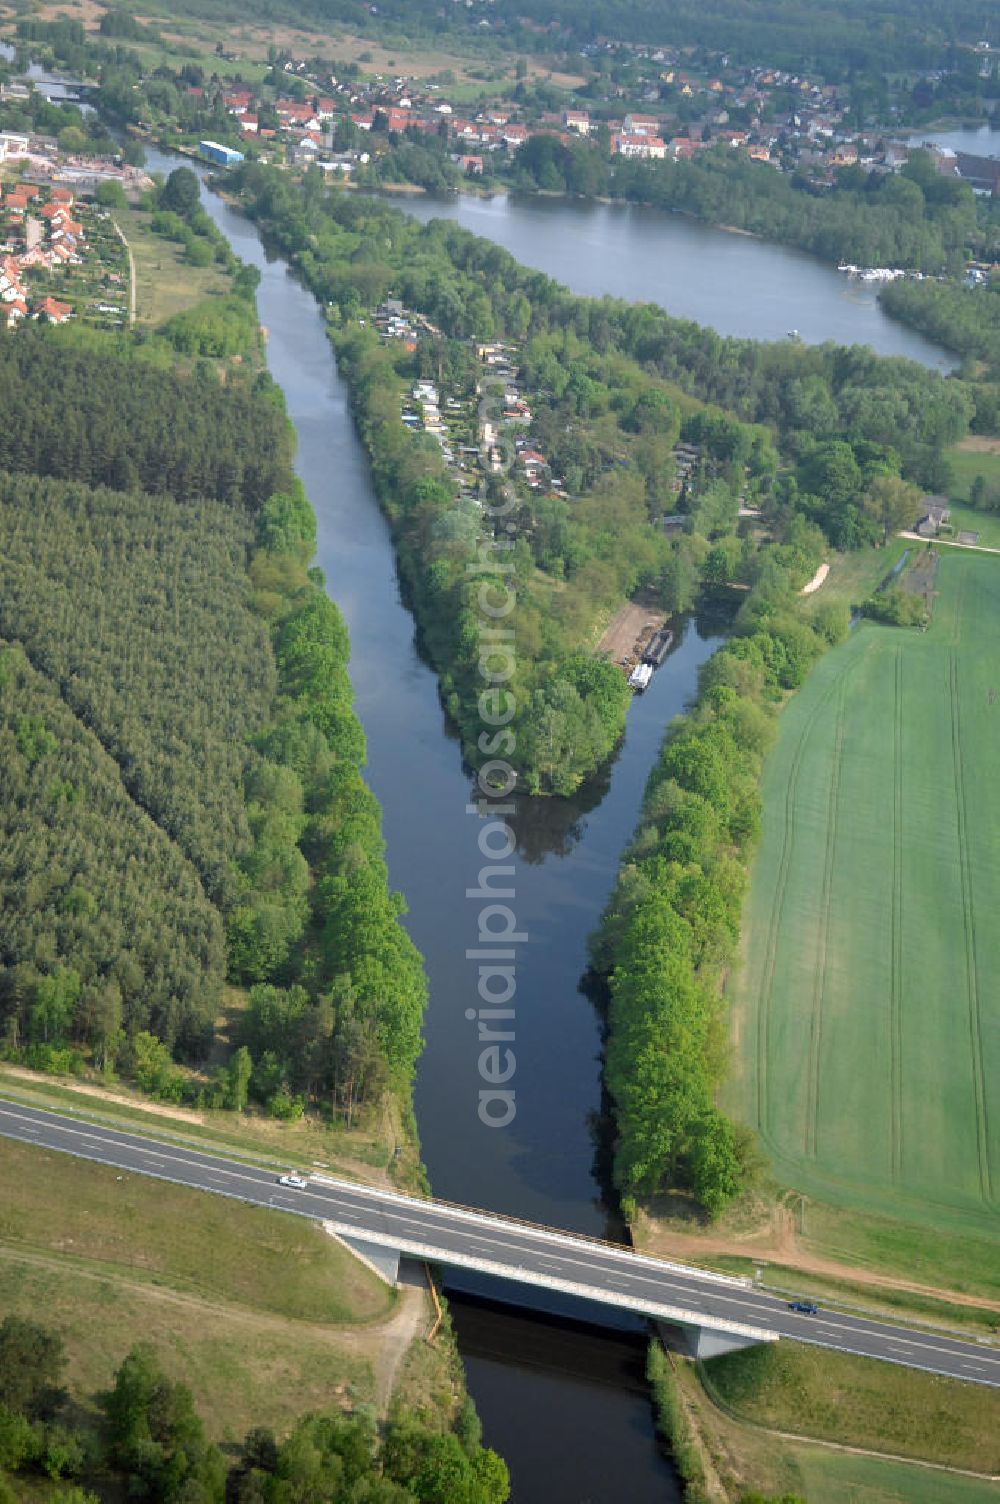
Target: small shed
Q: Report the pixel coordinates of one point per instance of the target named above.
(936, 517)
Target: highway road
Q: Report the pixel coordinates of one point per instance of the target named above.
(539, 1256)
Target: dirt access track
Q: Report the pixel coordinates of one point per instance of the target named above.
(777, 1242)
(628, 632)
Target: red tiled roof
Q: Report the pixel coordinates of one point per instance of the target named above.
(54, 310)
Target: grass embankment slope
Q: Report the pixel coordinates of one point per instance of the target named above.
(261, 1313)
(360, 1152)
(866, 1034)
(802, 1392)
(834, 1396)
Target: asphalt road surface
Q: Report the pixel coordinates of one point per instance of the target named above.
(537, 1256)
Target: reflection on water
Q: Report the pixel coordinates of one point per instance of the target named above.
(571, 1430)
(730, 282)
(578, 1383)
(552, 827)
(979, 140)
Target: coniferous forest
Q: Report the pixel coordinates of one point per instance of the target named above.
(181, 795)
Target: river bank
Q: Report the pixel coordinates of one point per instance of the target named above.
(566, 858)
(519, 1367)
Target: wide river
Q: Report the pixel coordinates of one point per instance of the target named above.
(564, 1402)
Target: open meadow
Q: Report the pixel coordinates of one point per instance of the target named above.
(262, 1314)
(867, 1011)
(165, 283)
(753, 1419)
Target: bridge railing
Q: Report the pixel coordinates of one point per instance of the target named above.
(585, 1239)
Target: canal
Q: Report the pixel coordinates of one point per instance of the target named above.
(566, 1405)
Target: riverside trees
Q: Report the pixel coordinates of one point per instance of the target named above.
(917, 220)
(147, 1440)
(672, 923)
(799, 430)
(182, 798)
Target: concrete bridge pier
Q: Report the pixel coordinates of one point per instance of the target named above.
(706, 1341)
(381, 1260)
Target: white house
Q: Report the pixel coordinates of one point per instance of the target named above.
(640, 147)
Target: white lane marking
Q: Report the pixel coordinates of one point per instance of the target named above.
(425, 1225)
(847, 1332)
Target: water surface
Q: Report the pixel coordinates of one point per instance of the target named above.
(565, 1405)
(733, 283)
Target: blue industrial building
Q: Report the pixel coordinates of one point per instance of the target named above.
(223, 156)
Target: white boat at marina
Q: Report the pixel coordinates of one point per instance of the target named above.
(640, 676)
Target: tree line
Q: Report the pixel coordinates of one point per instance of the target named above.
(612, 387)
(672, 924)
(965, 319)
(829, 44)
(915, 219)
(145, 1439)
(337, 986)
(184, 800)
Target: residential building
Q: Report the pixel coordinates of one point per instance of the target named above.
(639, 147)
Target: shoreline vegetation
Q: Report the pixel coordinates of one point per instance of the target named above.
(915, 219)
(941, 210)
(190, 847)
(625, 383)
(669, 934)
(169, 452)
(612, 388)
(330, 975)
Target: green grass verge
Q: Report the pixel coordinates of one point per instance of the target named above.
(244, 1368)
(955, 1260)
(845, 1294)
(866, 1048)
(261, 1313)
(165, 283)
(310, 1143)
(673, 1425)
(859, 1402)
(748, 1457)
(155, 1232)
(836, 1478)
(854, 576)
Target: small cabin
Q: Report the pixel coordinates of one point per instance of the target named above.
(936, 518)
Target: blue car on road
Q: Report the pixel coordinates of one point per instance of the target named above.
(804, 1307)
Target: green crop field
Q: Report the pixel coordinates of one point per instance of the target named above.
(867, 1012)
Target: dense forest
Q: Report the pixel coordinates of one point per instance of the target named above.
(965, 319)
(184, 801)
(144, 1439)
(103, 922)
(80, 415)
(137, 611)
(612, 386)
